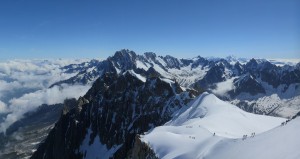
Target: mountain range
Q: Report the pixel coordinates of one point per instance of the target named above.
(131, 94)
(256, 85)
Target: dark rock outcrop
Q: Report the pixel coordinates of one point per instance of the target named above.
(141, 150)
(116, 109)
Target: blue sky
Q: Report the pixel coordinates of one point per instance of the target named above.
(182, 28)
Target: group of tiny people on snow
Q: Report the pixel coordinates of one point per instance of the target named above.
(244, 136)
(285, 122)
(253, 134)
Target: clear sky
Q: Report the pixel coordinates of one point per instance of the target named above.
(182, 28)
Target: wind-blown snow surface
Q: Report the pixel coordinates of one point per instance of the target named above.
(190, 133)
(280, 143)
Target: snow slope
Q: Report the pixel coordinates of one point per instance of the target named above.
(280, 143)
(190, 133)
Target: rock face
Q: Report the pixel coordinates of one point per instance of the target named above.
(115, 109)
(214, 75)
(247, 83)
(141, 150)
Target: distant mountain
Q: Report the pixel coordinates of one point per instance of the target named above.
(278, 62)
(250, 84)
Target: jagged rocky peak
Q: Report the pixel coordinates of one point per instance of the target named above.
(214, 75)
(266, 65)
(125, 54)
(247, 84)
(72, 68)
(101, 84)
(68, 105)
(259, 65)
(172, 62)
(224, 62)
(238, 68)
(120, 106)
(81, 101)
(124, 59)
(231, 58)
(73, 104)
(199, 61)
(159, 87)
(150, 55)
(252, 64)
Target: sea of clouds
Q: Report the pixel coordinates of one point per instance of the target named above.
(24, 85)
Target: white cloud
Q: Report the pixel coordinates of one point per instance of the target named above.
(3, 107)
(8, 86)
(223, 87)
(24, 86)
(18, 77)
(28, 102)
(35, 73)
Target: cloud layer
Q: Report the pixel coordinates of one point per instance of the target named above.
(24, 86)
(3, 107)
(28, 102)
(223, 87)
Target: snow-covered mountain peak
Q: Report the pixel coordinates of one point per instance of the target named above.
(125, 53)
(150, 55)
(201, 74)
(123, 59)
(233, 59)
(230, 59)
(221, 117)
(252, 64)
(207, 125)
